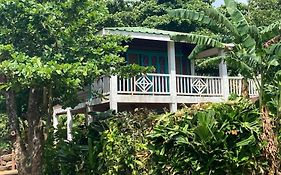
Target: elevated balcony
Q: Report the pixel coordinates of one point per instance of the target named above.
(159, 88)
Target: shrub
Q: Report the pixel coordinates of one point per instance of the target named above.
(218, 138)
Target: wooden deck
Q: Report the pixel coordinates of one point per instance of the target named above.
(9, 172)
(8, 164)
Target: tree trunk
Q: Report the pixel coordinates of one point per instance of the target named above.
(35, 132)
(28, 148)
(18, 144)
(245, 88)
(271, 149)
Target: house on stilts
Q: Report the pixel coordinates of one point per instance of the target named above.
(174, 82)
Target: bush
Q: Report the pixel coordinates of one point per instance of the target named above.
(218, 138)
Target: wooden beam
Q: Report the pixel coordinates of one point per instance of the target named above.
(209, 53)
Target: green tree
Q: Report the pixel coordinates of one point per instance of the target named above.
(255, 52)
(263, 12)
(151, 13)
(49, 51)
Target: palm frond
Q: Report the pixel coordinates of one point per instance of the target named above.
(271, 30)
(215, 15)
(241, 24)
(199, 39)
(245, 62)
(211, 61)
(254, 32)
(275, 49)
(192, 16)
(274, 27)
(197, 49)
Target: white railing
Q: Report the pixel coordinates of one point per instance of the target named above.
(159, 84)
(236, 85)
(199, 85)
(100, 87)
(253, 90)
(150, 84)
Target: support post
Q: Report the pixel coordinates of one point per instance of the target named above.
(55, 121)
(224, 77)
(192, 67)
(89, 118)
(113, 93)
(172, 72)
(69, 124)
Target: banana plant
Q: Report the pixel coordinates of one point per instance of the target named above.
(256, 52)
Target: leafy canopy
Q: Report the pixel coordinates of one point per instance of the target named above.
(54, 44)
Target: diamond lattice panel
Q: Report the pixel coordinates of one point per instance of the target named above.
(144, 83)
(199, 85)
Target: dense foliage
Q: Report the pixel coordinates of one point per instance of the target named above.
(49, 51)
(4, 134)
(255, 52)
(152, 14)
(204, 139)
(263, 12)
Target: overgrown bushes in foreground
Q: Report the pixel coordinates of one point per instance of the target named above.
(218, 138)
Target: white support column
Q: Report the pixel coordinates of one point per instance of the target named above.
(69, 124)
(113, 93)
(224, 76)
(172, 72)
(89, 118)
(192, 67)
(55, 121)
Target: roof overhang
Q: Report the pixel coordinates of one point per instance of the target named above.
(157, 35)
(136, 34)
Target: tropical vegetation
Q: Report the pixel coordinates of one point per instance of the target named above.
(49, 51)
(255, 53)
(210, 138)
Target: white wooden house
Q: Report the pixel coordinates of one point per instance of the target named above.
(174, 82)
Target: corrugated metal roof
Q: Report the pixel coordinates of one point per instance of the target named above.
(145, 30)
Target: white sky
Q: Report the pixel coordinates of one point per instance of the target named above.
(218, 3)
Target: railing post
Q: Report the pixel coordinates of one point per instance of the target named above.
(113, 93)
(224, 77)
(55, 120)
(172, 72)
(69, 124)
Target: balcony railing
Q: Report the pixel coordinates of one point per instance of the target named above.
(236, 85)
(186, 85)
(150, 84)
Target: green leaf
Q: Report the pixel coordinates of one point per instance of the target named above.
(199, 39)
(241, 24)
(248, 141)
(275, 49)
(197, 49)
(221, 20)
(192, 16)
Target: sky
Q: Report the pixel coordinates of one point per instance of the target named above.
(220, 2)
